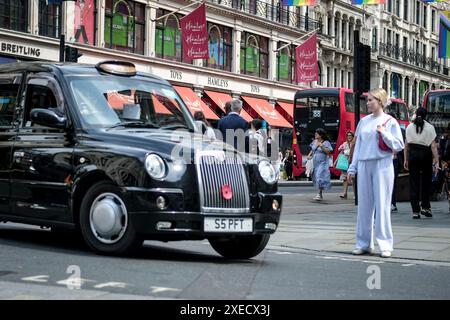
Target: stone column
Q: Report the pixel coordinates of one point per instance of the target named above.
(273, 59)
(410, 89)
(236, 50)
(402, 91)
(68, 21)
(100, 39)
(389, 77)
(33, 17)
(150, 30)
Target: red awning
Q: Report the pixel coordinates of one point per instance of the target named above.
(194, 103)
(288, 107)
(117, 100)
(220, 99)
(265, 110)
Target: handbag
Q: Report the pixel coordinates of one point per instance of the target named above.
(342, 163)
(381, 144)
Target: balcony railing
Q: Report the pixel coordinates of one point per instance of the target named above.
(275, 13)
(410, 56)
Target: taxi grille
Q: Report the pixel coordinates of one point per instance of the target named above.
(216, 169)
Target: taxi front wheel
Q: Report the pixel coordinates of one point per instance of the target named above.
(240, 247)
(104, 221)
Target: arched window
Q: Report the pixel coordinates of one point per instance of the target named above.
(49, 19)
(385, 82)
(254, 55)
(14, 15)
(319, 67)
(395, 85)
(124, 25)
(284, 63)
(414, 93)
(406, 97)
(168, 37)
(220, 47)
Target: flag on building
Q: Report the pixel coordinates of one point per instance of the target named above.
(360, 2)
(444, 35)
(194, 34)
(299, 3)
(54, 2)
(307, 68)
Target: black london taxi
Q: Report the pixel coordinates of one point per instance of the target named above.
(98, 148)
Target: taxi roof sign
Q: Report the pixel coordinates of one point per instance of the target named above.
(117, 67)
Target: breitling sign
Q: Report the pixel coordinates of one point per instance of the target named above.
(22, 50)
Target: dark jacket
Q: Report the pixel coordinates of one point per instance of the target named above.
(232, 121)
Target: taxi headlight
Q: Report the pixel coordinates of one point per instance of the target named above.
(155, 166)
(267, 172)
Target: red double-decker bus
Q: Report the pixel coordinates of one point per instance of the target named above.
(437, 103)
(332, 109)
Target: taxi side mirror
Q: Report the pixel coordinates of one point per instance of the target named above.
(48, 118)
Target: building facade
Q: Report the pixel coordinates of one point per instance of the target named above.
(244, 41)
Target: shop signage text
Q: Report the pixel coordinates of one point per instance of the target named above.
(19, 49)
(254, 89)
(217, 82)
(176, 75)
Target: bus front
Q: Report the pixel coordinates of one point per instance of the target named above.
(437, 103)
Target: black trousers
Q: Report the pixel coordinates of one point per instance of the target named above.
(420, 172)
(288, 168)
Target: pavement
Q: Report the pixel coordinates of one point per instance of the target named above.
(304, 182)
(328, 228)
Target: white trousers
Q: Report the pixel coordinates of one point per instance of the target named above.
(375, 184)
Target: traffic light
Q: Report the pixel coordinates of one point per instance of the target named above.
(72, 54)
(362, 70)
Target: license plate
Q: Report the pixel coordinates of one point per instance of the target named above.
(228, 224)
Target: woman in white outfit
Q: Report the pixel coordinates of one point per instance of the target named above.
(375, 175)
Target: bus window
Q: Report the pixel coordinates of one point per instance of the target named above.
(438, 103)
(402, 112)
(349, 102)
(363, 105)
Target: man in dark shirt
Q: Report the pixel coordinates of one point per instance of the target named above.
(233, 126)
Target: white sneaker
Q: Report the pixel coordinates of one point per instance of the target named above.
(318, 197)
(386, 254)
(358, 252)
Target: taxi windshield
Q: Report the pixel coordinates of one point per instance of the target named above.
(109, 102)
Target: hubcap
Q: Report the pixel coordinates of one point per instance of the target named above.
(108, 218)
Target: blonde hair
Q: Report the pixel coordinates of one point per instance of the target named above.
(380, 94)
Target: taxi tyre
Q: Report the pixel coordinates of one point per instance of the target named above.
(129, 241)
(240, 247)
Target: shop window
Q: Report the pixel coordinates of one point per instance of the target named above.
(124, 25)
(254, 56)
(84, 21)
(14, 15)
(49, 19)
(284, 63)
(220, 47)
(168, 36)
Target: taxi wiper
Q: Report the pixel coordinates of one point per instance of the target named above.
(175, 126)
(134, 124)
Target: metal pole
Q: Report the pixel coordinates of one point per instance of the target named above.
(168, 14)
(298, 39)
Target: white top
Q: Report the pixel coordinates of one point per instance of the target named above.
(259, 138)
(425, 138)
(366, 147)
(209, 132)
